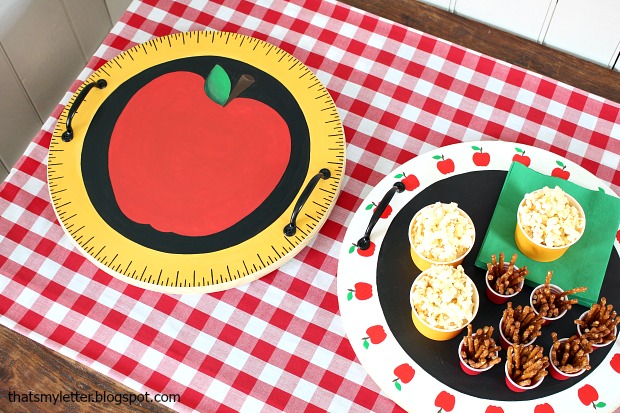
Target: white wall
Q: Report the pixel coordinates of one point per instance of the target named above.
(116, 8)
(527, 18)
(589, 29)
(44, 44)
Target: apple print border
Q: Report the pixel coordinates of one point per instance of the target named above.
(221, 269)
(389, 365)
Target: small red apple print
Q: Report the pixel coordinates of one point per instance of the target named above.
(411, 182)
(445, 401)
(618, 235)
(376, 334)
(362, 291)
(386, 212)
(615, 363)
(404, 373)
(561, 171)
(364, 253)
(588, 395)
(521, 158)
(480, 158)
(444, 165)
(494, 409)
(544, 408)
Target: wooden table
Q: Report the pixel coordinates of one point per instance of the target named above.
(25, 364)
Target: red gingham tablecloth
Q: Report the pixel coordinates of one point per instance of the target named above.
(278, 344)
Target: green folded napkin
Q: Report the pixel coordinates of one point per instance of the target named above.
(585, 263)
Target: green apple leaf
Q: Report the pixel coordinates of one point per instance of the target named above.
(352, 249)
(476, 148)
(350, 296)
(600, 404)
(369, 206)
(519, 150)
(398, 385)
(437, 157)
(399, 176)
(560, 164)
(218, 85)
(366, 344)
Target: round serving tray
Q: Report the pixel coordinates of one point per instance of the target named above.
(196, 162)
(373, 291)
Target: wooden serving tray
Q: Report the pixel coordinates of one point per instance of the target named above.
(177, 165)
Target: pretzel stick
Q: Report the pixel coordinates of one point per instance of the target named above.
(526, 364)
(505, 281)
(479, 349)
(521, 324)
(571, 356)
(551, 304)
(599, 323)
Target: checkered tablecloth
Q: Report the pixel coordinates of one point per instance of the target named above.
(278, 344)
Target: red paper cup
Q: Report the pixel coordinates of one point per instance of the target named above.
(466, 367)
(560, 375)
(515, 387)
(595, 345)
(555, 289)
(504, 341)
(494, 296)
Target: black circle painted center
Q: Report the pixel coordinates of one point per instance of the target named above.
(267, 89)
(476, 193)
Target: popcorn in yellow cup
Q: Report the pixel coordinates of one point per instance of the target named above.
(549, 221)
(440, 234)
(443, 301)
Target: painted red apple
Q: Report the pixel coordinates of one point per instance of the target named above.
(445, 401)
(444, 165)
(480, 158)
(615, 363)
(494, 409)
(544, 408)
(376, 334)
(588, 395)
(618, 236)
(404, 373)
(560, 171)
(521, 157)
(361, 290)
(386, 212)
(179, 141)
(364, 253)
(411, 182)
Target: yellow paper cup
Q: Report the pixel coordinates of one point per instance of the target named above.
(438, 334)
(539, 252)
(423, 263)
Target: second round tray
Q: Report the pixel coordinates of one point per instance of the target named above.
(373, 292)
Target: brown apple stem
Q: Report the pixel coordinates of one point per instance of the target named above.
(244, 82)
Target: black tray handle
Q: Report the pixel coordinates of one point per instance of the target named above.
(291, 227)
(67, 136)
(364, 242)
